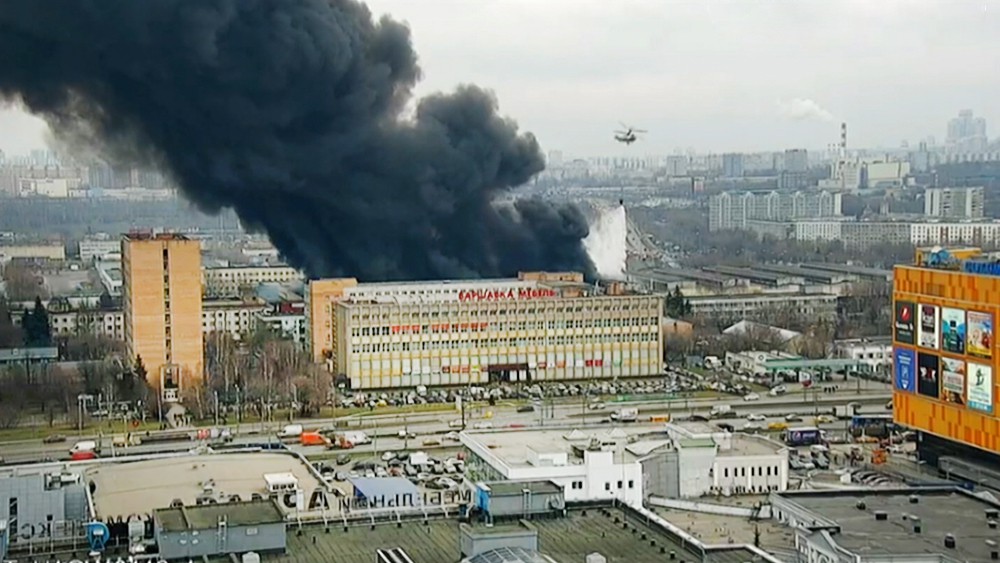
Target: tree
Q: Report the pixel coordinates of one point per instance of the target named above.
(10, 335)
(37, 332)
(677, 306)
(22, 282)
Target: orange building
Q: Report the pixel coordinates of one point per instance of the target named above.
(320, 297)
(161, 291)
(944, 355)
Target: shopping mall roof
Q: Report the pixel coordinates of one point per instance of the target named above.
(385, 487)
(854, 521)
(140, 487)
(572, 538)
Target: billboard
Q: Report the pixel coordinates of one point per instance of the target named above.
(904, 322)
(953, 330)
(980, 387)
(928, 376)
(928, 328)
(953, 380)
(979, 341)
(904, 366)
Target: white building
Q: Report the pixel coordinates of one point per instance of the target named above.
(590, 465)
(92, 249)
(874, 353)
(290, 326)
(750, 305)
(32, 251)
(230, 281)
(235, 317)
(706, 461)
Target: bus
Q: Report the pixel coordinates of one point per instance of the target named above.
(872, 425)
(803, 436)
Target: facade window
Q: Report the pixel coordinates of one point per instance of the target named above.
(619, 484)
(631, 484)
(607, 486)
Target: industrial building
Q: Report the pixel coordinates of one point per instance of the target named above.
(542, 326)
(945, 356)
(256, 526)
(161, 293)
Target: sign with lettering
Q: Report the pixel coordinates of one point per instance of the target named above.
(505, 294)
(981, 268)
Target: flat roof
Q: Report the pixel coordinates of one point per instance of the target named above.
(849, 269)
(511, 446)
(941, 510)
(207, 516)
(140, 487)
(154, 236)
(567, 539)
(747, 444)
(811, 274)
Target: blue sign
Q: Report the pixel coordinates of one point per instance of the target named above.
(981, 268)
(904, 367)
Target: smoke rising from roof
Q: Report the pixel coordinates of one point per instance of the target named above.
(290, 112)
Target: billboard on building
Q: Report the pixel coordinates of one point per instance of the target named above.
(980, 334)
(980, 387)
(928, 328)
(928, 376)
(952, 380)
(904, 325)
(904, 366)
(953, 330)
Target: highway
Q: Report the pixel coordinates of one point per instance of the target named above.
(434, 425)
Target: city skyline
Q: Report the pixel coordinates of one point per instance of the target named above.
(686, 72)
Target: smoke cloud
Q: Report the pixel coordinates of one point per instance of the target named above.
(291, 112)
(801, 109)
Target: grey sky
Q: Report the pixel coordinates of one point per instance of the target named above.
(710, 75)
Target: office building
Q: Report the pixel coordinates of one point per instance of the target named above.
(161, 294)
(945, 355)
(966, 133)
(234, 281)
(320, 299)
(959, 203)
(733, 210)
(541, 326)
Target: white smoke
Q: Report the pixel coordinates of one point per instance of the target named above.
(607, 243)
(801, 109)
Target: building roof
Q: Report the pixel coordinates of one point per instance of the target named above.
(696, 443)
(567, 539)
(511, 555)
(208, 516)
(28, 354)
(940, 510)
(743, 327)
(139, 487)
(512, 446)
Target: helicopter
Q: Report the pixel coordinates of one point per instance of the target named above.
(628, 136)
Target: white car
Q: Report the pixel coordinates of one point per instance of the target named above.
(754, 417)
(483, 425)
(388, 456)
(751, 397)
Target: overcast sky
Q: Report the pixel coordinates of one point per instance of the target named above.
(718, 76)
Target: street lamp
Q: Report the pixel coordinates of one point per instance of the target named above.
(81, 403)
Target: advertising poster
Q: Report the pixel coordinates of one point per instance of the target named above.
(980, 334)
(979, 394)
(927, 329)
(928, 376)
(904, 367)
(952, 381)
(904, 322)
(953, 330)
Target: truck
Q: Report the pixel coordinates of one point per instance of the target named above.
(803, 436)
(630, 414)
(846, 411)
(314, 439)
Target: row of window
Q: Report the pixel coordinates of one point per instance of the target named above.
(386, 312)
(499, 326)
(540, 341)
(755, 471)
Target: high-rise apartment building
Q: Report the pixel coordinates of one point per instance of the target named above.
(966, 203)
(161, 291)
(966, 133)
(731, 210)
(732, 165)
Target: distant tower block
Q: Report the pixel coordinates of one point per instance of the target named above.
(843, 139)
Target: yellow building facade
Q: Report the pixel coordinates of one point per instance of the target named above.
(945, 359)
(161, 293)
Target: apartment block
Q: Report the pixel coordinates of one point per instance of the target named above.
(161, 294)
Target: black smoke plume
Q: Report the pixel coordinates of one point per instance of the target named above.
(292, 112)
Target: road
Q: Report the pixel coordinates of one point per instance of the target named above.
(434, 425)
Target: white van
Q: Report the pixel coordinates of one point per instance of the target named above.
(83, 446)
(291, 431)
